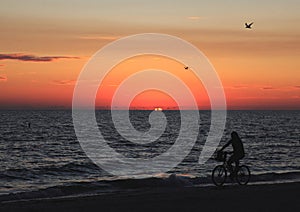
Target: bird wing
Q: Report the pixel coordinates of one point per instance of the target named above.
(251, 24)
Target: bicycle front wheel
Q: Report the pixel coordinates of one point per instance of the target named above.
(219, 175)
(243, 175)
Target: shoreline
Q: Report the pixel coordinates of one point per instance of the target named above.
(267, 197)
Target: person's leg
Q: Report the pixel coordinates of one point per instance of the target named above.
(237, 163)
(229, 163)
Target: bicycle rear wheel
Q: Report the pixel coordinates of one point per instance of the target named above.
(219, 175)
(243, 175)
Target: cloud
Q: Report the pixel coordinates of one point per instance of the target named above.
(263, 87)
(194, 17)
(106, 38)
(268, 88)
(282, 88)
(295, 97)
(33, 58)
(1, 65)
(3, 79)
(64, 82)
(239, 86)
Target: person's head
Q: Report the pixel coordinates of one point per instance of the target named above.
(234, 135)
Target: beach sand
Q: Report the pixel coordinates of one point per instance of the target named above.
(272, 197)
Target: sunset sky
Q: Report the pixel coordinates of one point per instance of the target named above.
(45, 44)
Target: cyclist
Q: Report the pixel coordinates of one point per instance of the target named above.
(238, 152)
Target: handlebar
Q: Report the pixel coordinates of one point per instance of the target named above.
(222, 155)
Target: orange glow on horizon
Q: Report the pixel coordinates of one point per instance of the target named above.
(150, 99)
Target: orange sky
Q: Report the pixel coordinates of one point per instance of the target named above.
(152, 98)
(44, 47)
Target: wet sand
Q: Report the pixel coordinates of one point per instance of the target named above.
(275, 197)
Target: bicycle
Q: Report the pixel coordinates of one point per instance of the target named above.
(219, 173)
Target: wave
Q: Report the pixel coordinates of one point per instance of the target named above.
(110, 185)
(276, 176)
(73, 168)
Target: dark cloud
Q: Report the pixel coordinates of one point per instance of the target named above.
(32, 58)
(3, 78)
(268, 88)
(297, 86)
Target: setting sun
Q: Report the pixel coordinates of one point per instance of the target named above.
(158, 109)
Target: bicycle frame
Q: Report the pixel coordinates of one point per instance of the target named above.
(225, 163)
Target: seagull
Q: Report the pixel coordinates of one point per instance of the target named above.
(186, 67)
(248, 26)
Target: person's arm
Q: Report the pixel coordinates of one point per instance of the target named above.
(226, 145)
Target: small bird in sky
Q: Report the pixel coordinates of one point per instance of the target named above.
(186, 67)
(248, 26)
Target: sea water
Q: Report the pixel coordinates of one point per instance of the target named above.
(45, 155)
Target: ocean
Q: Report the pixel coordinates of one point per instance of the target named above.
(45, 159)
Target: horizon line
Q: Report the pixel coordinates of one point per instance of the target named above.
(139, 109)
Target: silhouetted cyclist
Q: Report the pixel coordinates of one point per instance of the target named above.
(238, 152)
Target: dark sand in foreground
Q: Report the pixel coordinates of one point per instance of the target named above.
(276, 197)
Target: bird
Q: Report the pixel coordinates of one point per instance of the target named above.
(248, 26)
(186, 67)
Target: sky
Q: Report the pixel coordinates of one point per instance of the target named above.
(44, 45)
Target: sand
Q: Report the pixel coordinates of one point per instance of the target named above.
(275, 197)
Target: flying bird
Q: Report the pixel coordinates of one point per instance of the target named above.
(186, 67)
(248, 26)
